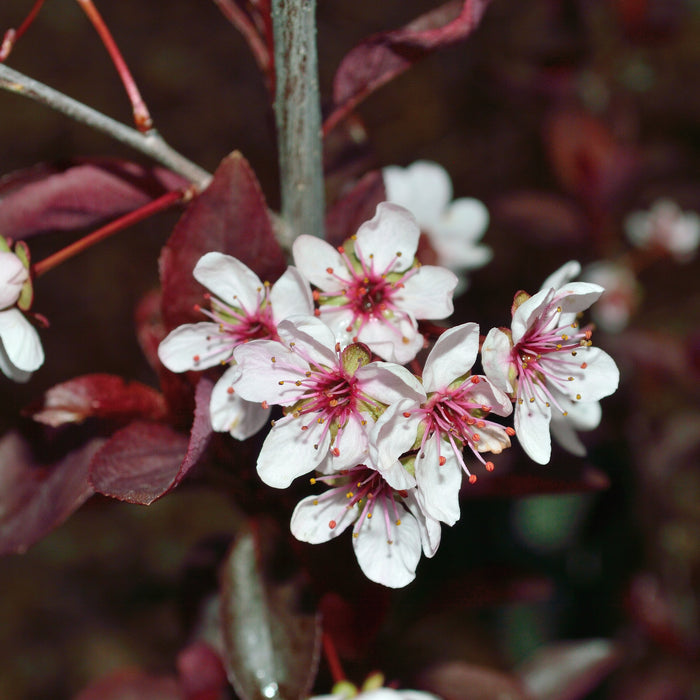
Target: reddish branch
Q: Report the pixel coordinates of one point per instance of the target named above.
(12, 35)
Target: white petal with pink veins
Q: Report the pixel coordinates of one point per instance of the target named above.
(428, 293)
(388, 382)
(195, 346)
(289, 451)
(439, 484)
(13, 275)
(567, 272)
(291, 296)
(311, 518)
(452, 356)
(496, 359)
(393, 565)
(230, 413)
(314, 257)
(394, 340)
(312, 338)
(532, 429)
(389, 240)
(230, 280)
(20, 346)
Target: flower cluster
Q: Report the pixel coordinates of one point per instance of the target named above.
(20, 347)
(331, 344)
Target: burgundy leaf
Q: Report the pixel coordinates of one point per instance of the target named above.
(35, 498)
(143, 461)
(271, 632)
(569, 670)
(99, 396)
(383, 56)
(231, 217)
(81, 195)
(132, 684)
(356, 207)
(201, 671)
(456, 680)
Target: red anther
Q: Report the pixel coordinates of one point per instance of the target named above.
(317, 312)
(207, 295)
(229, 390)
(486, 409)
(476, 437)
(337, 347)
(265, 405)
(332, 524)
(489, 466)
(329, 270)
(510, 431)
(588, 334)
(472, 478)
(195, 358)
(316, 295)
(403, 493)
(442, 460)
(480, 424)
(197, 308)
(474, 379)
(348, 329)
(471, 421)
(341, 249)
(304, 427)
(406, 414)
(584, 365)
(336, 451)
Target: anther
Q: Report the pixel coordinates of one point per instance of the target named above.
(510, 431)
(329, 270)
(474, 380)
(313, 481)
(578, 397)
(406, 414)
(442, 460)
(584, 365)
(229, 391)
(336, 452)
(472, 478)
(489, 466)
(332, 524)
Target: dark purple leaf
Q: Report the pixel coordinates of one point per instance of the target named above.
(383, 56)
(36, 498)
(201, 671)
(132, 684)
(83, 194)
(569, 670)
(456, 680)
(231, 217)
(99, 396)
(271, 631)
(143, 461)
(353, 209)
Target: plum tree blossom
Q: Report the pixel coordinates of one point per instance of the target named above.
(242, 309)
(621, 296)
(454, 227)
(20, 346)
(665, 226)
(330, 397)
(372, 689)
(371, 290)
(546, 362)
(451, 414)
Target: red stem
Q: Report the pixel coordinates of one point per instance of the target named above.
(12, 35)
(332, 659)
(115, 226)
(142, 118)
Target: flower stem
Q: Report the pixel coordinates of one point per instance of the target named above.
(163, 202)
(142, 117)
(12, 35)
(332, 659)
(150, 143)
(298, 114)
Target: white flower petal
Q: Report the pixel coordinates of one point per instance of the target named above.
(528, 312)
(257, 377)
(13, 275)
(428, 293)
(532, 429)
(486, 394)
(466, 218)
(424, 188)
(181, 348)
(291, 296)
(567, 272)
(579, 297)
(351, 443)
(439, 484)
(20, 346)
(389, 240)
(230, 280)
(393, 434)
(230, 413)
(496, 359)
(315, 340)
(600, 377)
(452, 356)
(388, 383)
(314, 257)
(397, 340)
(493, 438)
(289, 451)
(311, 518)
(393, 565)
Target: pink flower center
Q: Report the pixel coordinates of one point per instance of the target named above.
(365, 489)
(546, 357)
(368, 292)
(453, 415)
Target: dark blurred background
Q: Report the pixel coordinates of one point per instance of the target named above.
(563, 117)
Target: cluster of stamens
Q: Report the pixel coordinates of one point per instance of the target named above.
(547, 355)
(238, 324)
(363, 488)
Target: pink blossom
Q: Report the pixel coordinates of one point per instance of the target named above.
(242, 309)
(371, 290)
(330, 397)
(546, 362)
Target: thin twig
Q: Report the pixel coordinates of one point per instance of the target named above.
(12, 35)
(142, 117)
(151, 143)
(298, 115)
(133, 217)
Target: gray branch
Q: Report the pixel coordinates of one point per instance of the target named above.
(298, 114)
(150, 143)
